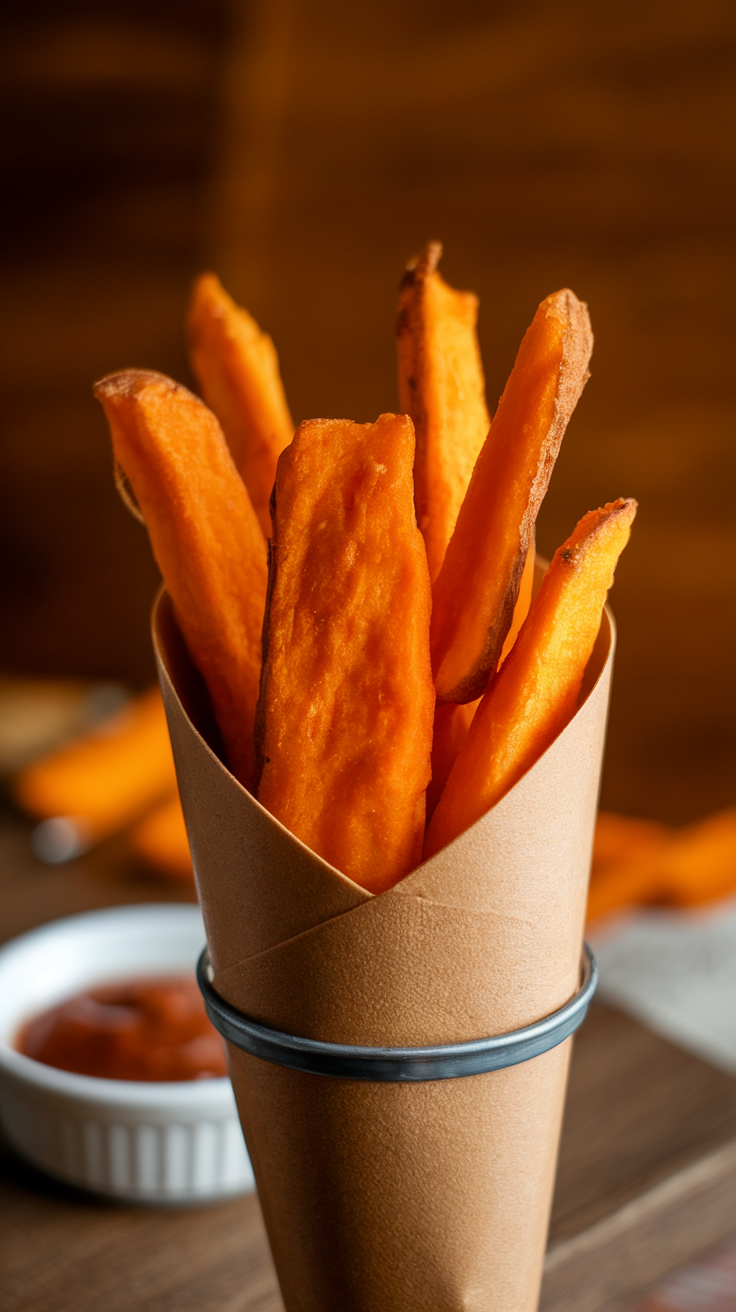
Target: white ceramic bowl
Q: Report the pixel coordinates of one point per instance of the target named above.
(148, 1142)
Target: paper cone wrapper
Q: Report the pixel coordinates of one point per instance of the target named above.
(387, 1197)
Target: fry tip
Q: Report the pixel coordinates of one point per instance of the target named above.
(129, 382)
(423, 265)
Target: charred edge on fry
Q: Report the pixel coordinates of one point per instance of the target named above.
(575, 554)
(423, 265)
(125, 491)
(129, 382)
(479, 679)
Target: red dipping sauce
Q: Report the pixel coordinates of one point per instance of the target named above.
(139, 1029)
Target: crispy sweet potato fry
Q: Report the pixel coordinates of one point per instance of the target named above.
(205, 537)
(441, 386)
(452, 720)
(523, 601)
(535, 693)
(345, 715)
(476, 590)
(237, 369)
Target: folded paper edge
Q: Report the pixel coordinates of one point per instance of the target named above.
(276, 966)
(404, 887)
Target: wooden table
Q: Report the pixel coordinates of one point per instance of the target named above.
(647, 1173)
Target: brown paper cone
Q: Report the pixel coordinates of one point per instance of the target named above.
(425, 1197)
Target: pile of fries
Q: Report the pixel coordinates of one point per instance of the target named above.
(358, 597)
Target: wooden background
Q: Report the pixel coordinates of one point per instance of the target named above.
(306, 148)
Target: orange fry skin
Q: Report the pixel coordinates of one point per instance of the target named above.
(108, 777)
(523, 601)
(699, 863)
(536, 691)
(638, 861)
(476, 590)
(624, 886)
(441, 386)
(205, 536)
(345, 715)
(237, 369)
(452, 720)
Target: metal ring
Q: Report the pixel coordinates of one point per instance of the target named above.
(398, 1065)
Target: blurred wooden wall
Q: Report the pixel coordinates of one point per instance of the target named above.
(111, 118)
(305, 148)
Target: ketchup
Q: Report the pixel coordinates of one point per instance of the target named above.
(140, 1029)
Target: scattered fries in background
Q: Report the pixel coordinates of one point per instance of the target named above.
(638, 862)
(117, 775)
(101, 783)
(160, 841)
(699, 864)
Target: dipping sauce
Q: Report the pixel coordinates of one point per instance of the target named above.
(139, 1029)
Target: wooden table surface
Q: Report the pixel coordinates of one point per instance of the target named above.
(647, 1172)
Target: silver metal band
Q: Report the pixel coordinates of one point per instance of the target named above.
(398, 1065)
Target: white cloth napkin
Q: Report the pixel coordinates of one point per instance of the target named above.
(675, 971)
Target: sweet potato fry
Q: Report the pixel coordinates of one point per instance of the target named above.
(452, 720)
(160, 839)
(523, 601)
(535, 693)
(630, 884)
(107, 778)
(237, 369)
(344, 725)
(621, 839)
(639, 861)
(205, 537)
(625, 866)
(441, 386)
(699, 863)
(476, 590)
